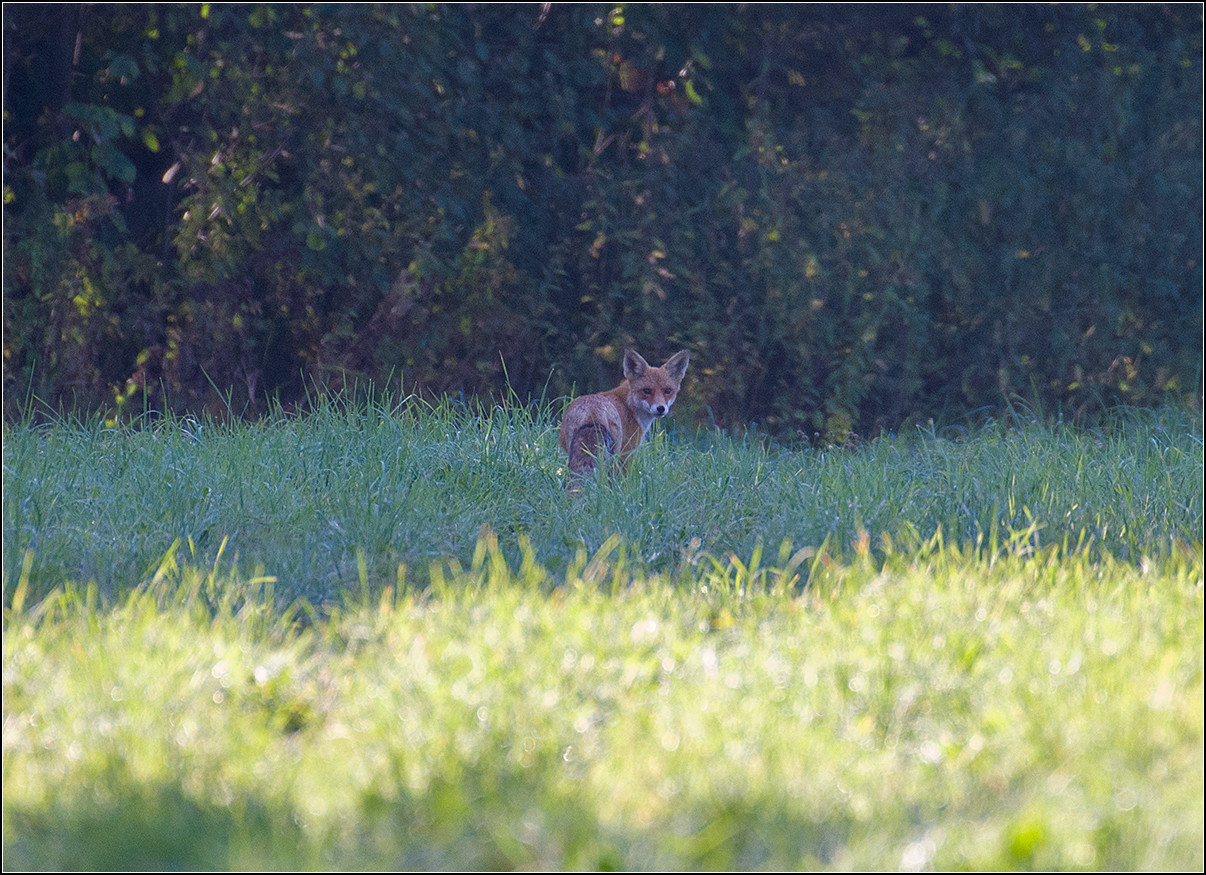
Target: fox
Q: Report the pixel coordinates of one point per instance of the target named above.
(615, 422)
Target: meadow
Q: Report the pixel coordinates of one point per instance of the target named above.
(382, 636)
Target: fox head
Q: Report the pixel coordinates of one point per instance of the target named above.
(651, 391)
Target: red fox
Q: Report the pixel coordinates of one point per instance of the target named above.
(616, 421)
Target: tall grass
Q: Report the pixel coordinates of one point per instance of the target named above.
(382, 635)
(936, 709)
(405, 484)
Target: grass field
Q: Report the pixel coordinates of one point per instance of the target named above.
(383, 636)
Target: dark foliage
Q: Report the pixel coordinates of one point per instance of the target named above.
(853, 216)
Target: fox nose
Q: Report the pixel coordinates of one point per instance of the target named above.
(660, 410)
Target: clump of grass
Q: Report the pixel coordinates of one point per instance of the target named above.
(937, 706)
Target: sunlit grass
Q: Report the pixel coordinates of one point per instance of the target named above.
(384, 636)
(938, 709)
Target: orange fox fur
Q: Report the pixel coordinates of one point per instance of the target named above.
(617, 421)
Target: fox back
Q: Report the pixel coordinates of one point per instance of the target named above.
(615, 422)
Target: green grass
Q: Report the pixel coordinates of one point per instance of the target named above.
(377, 638)
(406, 485)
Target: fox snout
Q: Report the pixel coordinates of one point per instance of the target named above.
(654, 409)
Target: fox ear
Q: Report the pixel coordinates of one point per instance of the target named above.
(676, 365)
(634, 365)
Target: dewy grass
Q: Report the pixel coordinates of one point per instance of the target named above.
(403, 484)
(938, 708)
(382, 635)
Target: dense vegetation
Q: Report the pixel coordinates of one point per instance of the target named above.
(851, 215)
(1038, 712)
(386, 638)
(322, 500)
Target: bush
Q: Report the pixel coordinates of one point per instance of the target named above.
(854, 218)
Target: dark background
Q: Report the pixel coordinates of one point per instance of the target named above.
(854, 217)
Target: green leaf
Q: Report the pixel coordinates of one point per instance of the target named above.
(113, 162)
(124, 67)
(81, 111)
